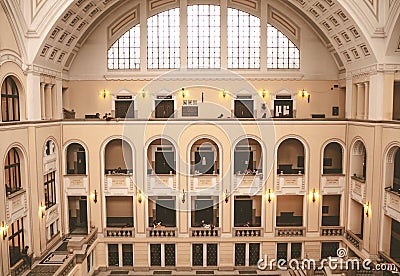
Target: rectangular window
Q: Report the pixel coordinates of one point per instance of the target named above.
(124, 109)
(125, 52)
(243, 40)
(52, 230)
(16, 241)
(247, 254)
(169, 258)
(50, 189)
(127, 255)
(163, 40)
(155, 254)
(204, 36)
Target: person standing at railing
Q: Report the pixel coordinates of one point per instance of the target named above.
(26, 257)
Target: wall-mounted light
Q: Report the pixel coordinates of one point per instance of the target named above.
(314, 195)
(42, 209)
(304, 94)
(264, 93)
(366, 208)
(224, 93)
(139, 196)
(3, 230)
(226, 196)
(93, 196)
(269, 195)
(182, 196)
(184, 93)
(104, 93)
(143, 94)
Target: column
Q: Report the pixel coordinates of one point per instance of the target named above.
(366, 100)
(350, 99)
(143, 37)
(49, 108)
(42, 101)
(381, 103)
(30, 104)
(263, 36)
(224, 30)
(183, 30)
(360, 101)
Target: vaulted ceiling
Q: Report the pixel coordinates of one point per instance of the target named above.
(355, 33)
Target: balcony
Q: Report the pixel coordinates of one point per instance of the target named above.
(16, 206)
(76, 184)
(389, 260)
(19, 268)
(118, 184)
(203, 182)
(119, 232)
(204, 232)
(392, 204)
(290, 231)
(247, 231)
(358, 189)
(290, 183)
(161, 184)
(354, 239)
(332, 231)
(333, 183)
(250, 182)
(164, 232)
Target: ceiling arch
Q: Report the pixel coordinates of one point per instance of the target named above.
(340, 32)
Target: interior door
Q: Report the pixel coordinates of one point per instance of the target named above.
(164, 162)
(283, 108)
(282, 251)
(83, 212)
(81, 162)
(124, 109)
(204, 162)
(243, 161)
(203, 211)
(244, 108)
(164, 109)
(165, 212)
(243, 212)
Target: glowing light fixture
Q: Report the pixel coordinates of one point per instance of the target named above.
(93, 196)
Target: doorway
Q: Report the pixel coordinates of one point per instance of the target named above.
(244, 108)
(243, 212)
(164, 109)
(283, 108)
(77, 214)
(164, 162)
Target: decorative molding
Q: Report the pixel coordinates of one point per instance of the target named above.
(123, 24)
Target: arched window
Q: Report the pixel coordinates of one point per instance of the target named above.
(125, 52)
(163, 40)
(204, 36)
(9, 100)
(243, 40)
(281, 52)
(12, 172)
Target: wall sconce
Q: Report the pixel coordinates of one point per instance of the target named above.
(182, 196)
(366, 208)
(184, 93)
(314, 195)
(93, 196)
(264, 93)
(103, 93)
(269, 195)
(42, 209)
(226, 196)
(139, 196)
(3, 230)
(304, 94)
(143, 94)
(224, 93)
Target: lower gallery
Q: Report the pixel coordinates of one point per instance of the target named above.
(181, 137)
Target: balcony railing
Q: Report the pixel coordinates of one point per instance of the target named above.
(389, 260)
(118, 184)
(19, 268)
(76, 184)
(247, 231)
(392, 204)
(354, 239)
(248, 181)
(204, 182)
(332, 231)
(166, 232)
(67, 267)
(333, 183)
(358, 189)
(290, 231)
(119, 232)
(161, 183)
(16, 205)
(204, 232)
(290, 183)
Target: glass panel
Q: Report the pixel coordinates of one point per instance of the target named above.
(125, 52)
(155, 254)
(254, 253)
(281, 52)
(197, 254)
(127, 255)
(243, 40)
(240, 254)
(170, 254)
(113, 255)
(212, 254)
